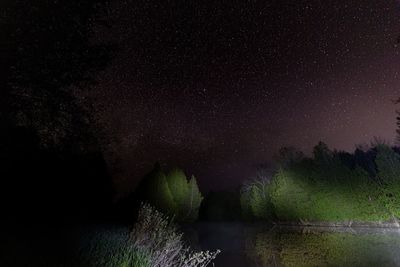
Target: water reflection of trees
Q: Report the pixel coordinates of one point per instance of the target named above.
(323, 247)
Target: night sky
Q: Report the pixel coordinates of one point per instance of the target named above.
(218, 87)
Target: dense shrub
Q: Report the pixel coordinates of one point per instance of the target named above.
(111, 249)
(330, 187)
(153, 241)
(173, 194)
(186, 195)
(312, 194)
(157, 192)
(155, 236)
(193, 200)
(388, 165)
(255, 199)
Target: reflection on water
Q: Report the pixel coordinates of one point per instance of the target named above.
(258, 245)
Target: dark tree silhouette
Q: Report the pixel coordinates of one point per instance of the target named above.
(46, 53)
(50, 160)
(397, 123)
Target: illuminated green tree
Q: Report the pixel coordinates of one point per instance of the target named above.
(154, 189)
(173, 194)
(161, 196)
(254, 198)
(186, 195)
(193, 200)
(260, 202)
(178, 185)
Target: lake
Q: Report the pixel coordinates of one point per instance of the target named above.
(241, 245)
(262, 245)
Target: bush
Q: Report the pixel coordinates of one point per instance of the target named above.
(155, 236)
(255, 199)
(186, 195)
(172, 194)
(158, 193)
(331, 193)
(154, 241)
(194, 199)
(388, 165)
(330, 187)
(107, 246)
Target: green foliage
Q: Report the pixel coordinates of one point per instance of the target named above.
(388, 165)
(106, 246)
(288, 196)
(328, 188)
(330, 193)
(178, 186)
(177, 183)
(173, 194)
(154, 240)
(194, 200)
(157, 237)
(158, 193)
(129, 256)
(255, 199)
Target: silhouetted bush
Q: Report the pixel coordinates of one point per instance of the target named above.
(221, 206)
(39, 183)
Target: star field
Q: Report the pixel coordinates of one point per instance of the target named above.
(217, 87)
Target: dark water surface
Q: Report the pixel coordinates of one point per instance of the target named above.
(241, 245)
(262, 245)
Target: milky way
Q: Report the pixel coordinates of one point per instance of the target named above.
(217, 87)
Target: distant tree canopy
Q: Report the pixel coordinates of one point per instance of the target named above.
(398, 122)
(47, 47)
(287, 156)
(51, 162)
(173, 193)
(331, 186)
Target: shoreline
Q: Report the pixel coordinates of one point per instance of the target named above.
(349, 224)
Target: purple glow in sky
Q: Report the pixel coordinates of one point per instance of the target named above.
(217, 88)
